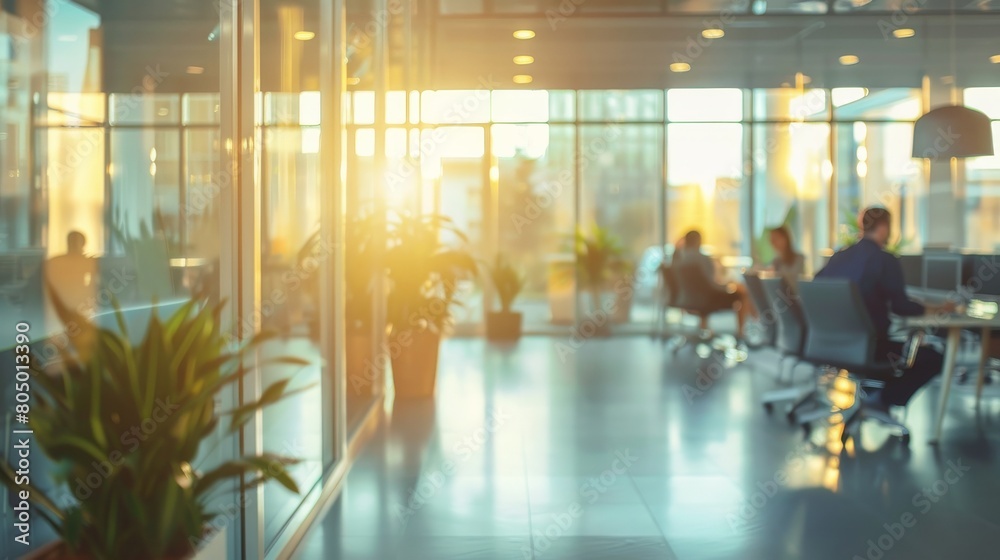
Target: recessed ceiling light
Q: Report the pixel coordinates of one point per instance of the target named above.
(903, 33)
(713, 33)
(995, 59)
(523, 79)
(849, 59)
(67, 38)
(304, 35)
(680, 67)
(195, 70)
(524, 59)
(524, 34)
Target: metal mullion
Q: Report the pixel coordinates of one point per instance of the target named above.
(332, 214)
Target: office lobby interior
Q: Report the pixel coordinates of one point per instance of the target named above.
(418, 279)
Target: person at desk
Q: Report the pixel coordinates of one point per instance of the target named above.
(789, 264)
(879, 278)
(688, 253)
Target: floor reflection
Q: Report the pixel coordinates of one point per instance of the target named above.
(545, 450)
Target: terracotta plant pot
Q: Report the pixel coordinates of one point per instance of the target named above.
(362, 375)
(502, 326)
(414, 362)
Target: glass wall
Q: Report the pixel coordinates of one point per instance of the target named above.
(523, 172)
(293, 249)
(112, 184)
(982, 179)
(143, 165)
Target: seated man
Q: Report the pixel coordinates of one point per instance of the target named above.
(879, 278)
(720, 296)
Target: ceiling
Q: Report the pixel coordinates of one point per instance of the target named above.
(582, 51)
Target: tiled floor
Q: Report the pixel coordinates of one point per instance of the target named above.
(615, 449)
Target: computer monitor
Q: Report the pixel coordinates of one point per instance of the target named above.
(913, 270)
(942, 272)
(982, 275)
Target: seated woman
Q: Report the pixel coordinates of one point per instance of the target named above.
(729, 295)
(789, 264)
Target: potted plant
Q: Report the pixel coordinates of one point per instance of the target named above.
(850, 233)
(150, 503)
(423, 274)
(600, 264)
(507, 282)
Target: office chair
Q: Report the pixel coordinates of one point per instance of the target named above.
(698, 296)
(840, 334)
(667, 298)
(768, 328)
(786, 313)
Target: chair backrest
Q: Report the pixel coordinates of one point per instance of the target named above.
(669, 284)
(839, 331)
(762, 302)
(695, 291)
(787, 315)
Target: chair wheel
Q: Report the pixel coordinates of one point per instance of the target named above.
(904, 439)
(806, 431)
(768, 407)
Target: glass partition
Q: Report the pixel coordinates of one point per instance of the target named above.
(982, 194)
(111, 187)
(792, 173)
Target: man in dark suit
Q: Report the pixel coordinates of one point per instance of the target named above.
(879, 278)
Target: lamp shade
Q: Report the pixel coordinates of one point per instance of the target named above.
(952, 131)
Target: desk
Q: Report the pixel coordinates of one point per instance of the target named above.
(955, 323)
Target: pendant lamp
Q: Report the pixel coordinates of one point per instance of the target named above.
(952, 131)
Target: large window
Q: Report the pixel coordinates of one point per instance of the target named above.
(982, 175)
(646, 166)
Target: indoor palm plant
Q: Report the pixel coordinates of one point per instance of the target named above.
(851, 232)
(600, 262)
(423, 273)
(150, 504)
(507, 283)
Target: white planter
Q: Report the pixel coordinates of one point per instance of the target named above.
(215, 548)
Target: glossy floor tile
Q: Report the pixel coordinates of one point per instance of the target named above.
(616, 448)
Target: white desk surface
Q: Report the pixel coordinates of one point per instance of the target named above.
(952, 320)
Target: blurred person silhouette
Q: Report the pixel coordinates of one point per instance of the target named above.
(788, 263)
(724, 294)
(879, 278)
(73, 277)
